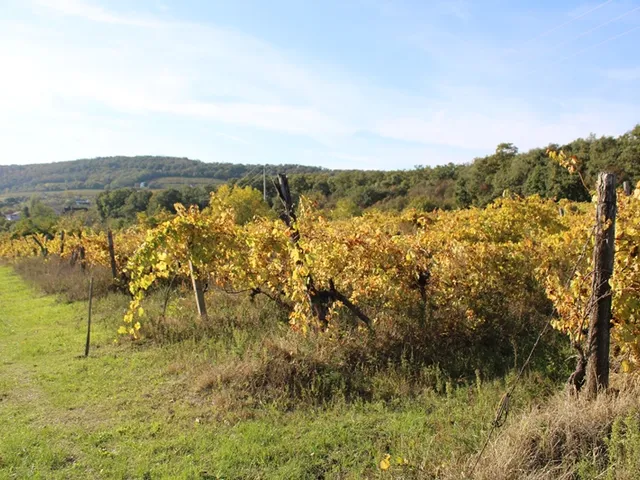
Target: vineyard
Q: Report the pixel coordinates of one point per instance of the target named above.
(473, 270)
(302, 311)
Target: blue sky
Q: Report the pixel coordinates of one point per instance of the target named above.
(371, 84)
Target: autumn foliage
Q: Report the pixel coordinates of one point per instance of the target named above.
(470, 269)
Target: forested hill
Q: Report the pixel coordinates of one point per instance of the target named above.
(118, 172)
(478, 182)
(445, 186)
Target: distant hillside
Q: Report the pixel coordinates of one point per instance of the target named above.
(118, 172)
(445, 186)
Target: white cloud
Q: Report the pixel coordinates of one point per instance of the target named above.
(487, 121)
(79, 8)
(138, 67)
(269, 117)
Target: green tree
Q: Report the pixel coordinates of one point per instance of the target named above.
(110, 203)
(630, 154)
(164, 200)
(247, 202)
(346, 208)
(464, 198)
(40, 219)
(136, 202)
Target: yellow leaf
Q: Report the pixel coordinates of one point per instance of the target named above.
(137, 326)
(385, 463)
(123, 330)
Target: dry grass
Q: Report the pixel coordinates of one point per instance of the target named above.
(569, 438)
(58, 277)
(289, 370)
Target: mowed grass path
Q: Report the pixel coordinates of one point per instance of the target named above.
(132, 411)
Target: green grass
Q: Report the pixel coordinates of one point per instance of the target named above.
(135, 411)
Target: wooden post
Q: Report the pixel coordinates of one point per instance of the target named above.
(86, 347)
(199, 291)
(83, 263)
(61, 242)
(264, 183)
(600, 315)
(112, 255)
(319, 300)
(626, 186)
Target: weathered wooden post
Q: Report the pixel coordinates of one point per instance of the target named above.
(198, 290)
(626, 186)
(82, 254)
(320, 300)
(600, 315)
(86, 347)
(61, 242)
(112, 255)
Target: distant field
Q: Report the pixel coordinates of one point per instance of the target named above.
(168, 182)
(155, 184)
(56, 193)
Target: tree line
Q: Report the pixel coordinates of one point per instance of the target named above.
(347, 193)
(120, 172)
(476, 183)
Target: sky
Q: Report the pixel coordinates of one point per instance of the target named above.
(366, 84)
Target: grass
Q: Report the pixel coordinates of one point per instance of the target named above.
(571, 438)
(58, 277)
(148, 410)
(54, 192)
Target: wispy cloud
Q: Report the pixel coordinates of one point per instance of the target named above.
(586, 8)
(460, 9)
(79, 8)
(238, 85)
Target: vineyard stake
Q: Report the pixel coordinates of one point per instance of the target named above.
(112, 255)
(198, 290)
(600, 316)
(61, 242)
(86, 347)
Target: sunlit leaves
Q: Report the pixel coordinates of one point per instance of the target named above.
(571, 162)
(467, 265)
